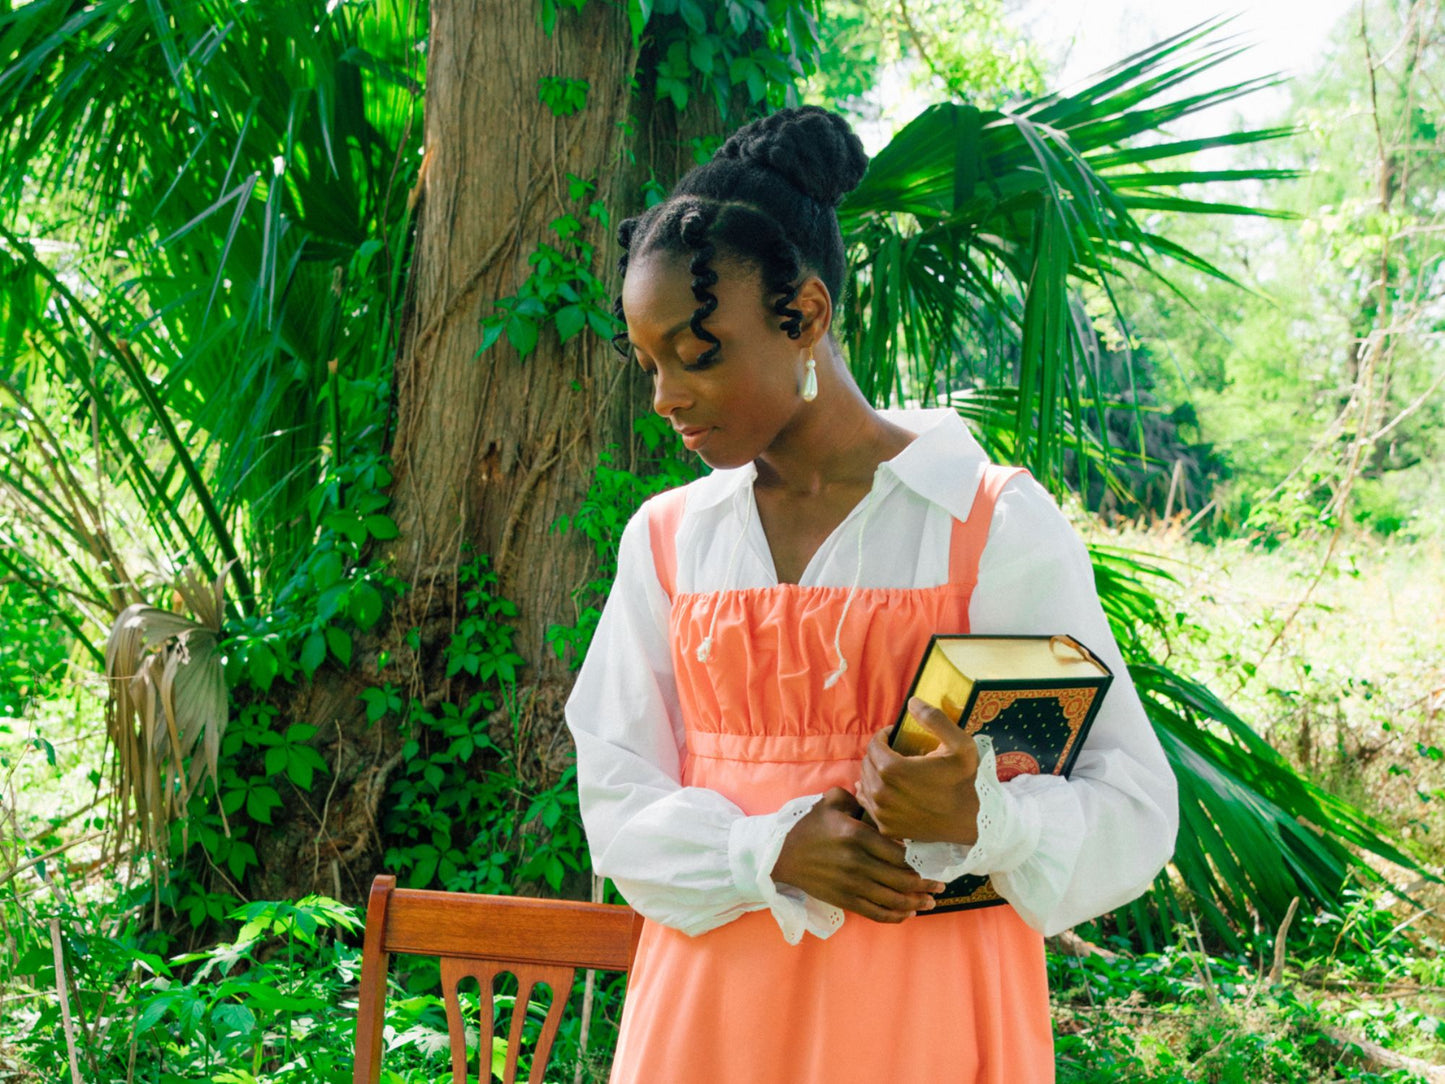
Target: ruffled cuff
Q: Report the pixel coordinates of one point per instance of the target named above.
(1037, 887)
(753, 847)
(1008, 831)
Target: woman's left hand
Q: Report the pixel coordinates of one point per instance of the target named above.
(927, 798)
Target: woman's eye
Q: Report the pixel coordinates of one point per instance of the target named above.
(705, 360)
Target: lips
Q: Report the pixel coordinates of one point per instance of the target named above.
(693, 436)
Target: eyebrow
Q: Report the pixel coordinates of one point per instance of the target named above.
(670, 332)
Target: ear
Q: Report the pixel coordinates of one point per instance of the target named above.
(816, 305)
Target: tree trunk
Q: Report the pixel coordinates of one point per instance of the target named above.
(489, 450)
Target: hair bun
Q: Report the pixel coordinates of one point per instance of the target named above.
(813, 149)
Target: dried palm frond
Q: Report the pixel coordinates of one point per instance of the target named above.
(167, 708)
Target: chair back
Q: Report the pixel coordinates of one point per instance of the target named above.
(538, 941)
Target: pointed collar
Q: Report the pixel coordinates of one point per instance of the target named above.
(942, 464)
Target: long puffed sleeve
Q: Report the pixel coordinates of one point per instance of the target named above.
(1069, 850)
(682, 856)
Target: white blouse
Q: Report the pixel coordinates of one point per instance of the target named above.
(1060, 851)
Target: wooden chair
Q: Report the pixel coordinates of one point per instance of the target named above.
(538, 941)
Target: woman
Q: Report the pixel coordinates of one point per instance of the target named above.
(761, 633)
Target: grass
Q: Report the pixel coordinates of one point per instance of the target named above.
(1339, 663)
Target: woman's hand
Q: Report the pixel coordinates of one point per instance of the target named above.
(836, 858)
(927, 798)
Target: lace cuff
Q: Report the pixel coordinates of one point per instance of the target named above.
(753, 847)
(1008, 831)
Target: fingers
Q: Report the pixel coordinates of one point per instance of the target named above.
(841, 800)
(835, 857)
(936, 722)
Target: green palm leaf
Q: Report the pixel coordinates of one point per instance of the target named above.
(971, 237)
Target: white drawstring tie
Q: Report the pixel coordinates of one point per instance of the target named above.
(704, 649)
(842, 668)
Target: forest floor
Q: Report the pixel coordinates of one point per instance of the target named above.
(1336, 656)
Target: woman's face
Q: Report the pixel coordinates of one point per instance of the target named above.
(733, 409)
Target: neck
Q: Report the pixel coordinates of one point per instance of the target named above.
(837, 440)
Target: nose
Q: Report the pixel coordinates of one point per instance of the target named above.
(668, 392)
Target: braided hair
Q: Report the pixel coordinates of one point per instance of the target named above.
(768, 198)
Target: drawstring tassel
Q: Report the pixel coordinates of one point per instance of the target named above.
(842, 668)
(704, 649)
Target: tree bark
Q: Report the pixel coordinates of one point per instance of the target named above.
(489, 450)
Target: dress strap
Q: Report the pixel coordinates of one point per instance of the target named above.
(971, 535)
(664, 514)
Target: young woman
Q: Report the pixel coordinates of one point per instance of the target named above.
(764, 625)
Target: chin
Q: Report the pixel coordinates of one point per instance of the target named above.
(721, 460)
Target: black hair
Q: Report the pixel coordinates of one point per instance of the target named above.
(768, 198)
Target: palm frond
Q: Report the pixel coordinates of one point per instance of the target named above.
(970, 238)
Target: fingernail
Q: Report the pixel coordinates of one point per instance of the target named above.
(930, 904)
(916, 705)
(936, 886)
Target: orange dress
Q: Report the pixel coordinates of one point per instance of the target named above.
(960, 997)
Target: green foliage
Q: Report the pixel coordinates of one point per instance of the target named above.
(974, 230)
(32, 663)
(247, 250)
(564, 97)
(760, 48)
(1183, 1015)
(1322, 388)
(966, 50)
(614, 497)
(462, 813)
(562, 290)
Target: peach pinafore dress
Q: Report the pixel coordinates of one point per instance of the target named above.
(960, 998)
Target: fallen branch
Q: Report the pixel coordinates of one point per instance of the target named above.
(12, 873)
(1276, 970)
(1069, 943)
(62, 988)
(1373, 1056)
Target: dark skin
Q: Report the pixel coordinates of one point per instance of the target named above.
(815, 462)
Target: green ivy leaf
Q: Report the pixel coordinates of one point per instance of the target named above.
(300, 773)
(262, 665)
(326, 570)
(570, 320)
(259, 803)
(426, 865)
(693, 15)
(365, 605)
(701, 52)
(522, 334)
(600, 323)
(381, 526)
(491, 331)
(757, 87)
(375, 700)
(349, 524)
(313, 651)
(339, 640)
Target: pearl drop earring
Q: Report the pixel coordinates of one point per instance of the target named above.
(810, 379)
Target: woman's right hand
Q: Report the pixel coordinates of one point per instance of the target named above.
(835, 857)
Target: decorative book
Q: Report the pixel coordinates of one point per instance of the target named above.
(1034, 696)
